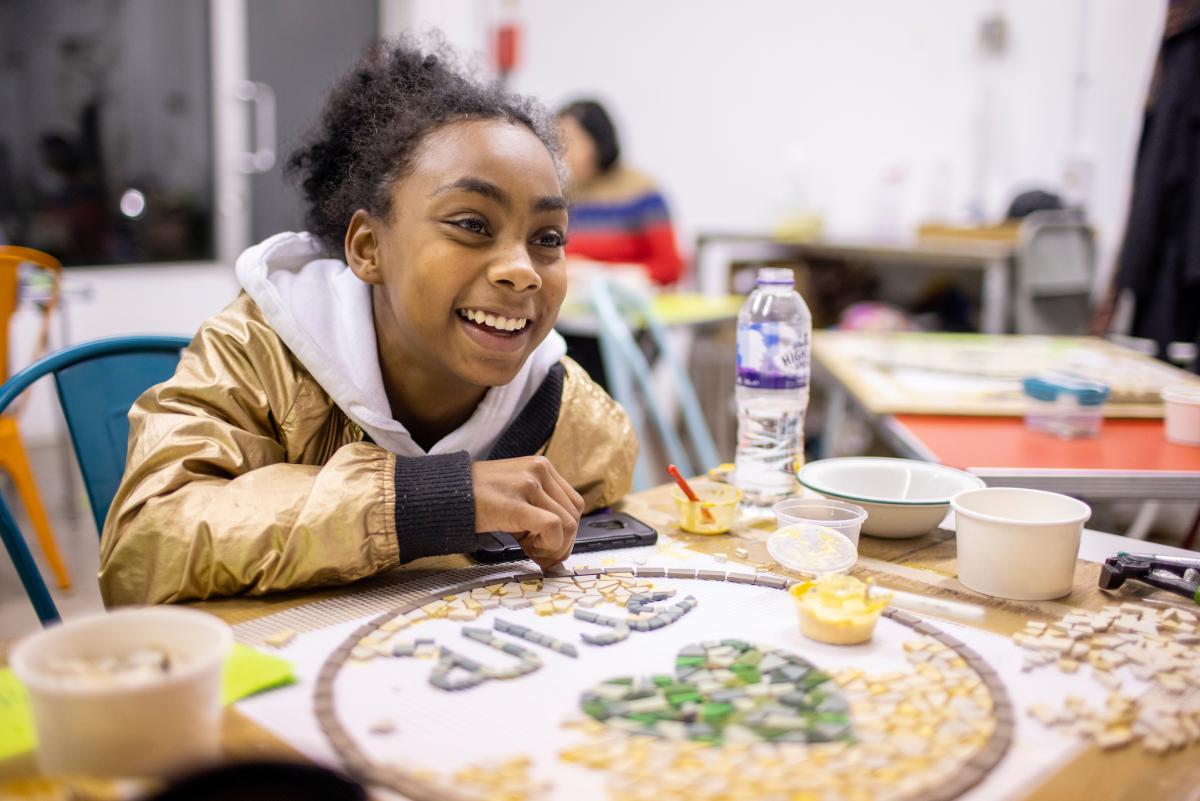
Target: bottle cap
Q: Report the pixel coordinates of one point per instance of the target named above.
(812, 549)
(775, 275)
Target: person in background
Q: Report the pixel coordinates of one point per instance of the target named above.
(1159, 261)
(388, 384)
(617, 213)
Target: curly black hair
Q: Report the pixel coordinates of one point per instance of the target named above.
(376, 117)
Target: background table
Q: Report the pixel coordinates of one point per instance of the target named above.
(1130, 458)
(988, 261)
(970, 414)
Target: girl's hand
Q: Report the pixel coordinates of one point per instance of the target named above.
(527, 498)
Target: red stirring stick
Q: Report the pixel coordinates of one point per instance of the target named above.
(687, 490)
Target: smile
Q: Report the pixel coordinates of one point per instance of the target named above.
(493, 321)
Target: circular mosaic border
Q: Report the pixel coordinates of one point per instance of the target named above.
(418, 788)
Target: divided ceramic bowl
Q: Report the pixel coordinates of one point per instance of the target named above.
(903, 497)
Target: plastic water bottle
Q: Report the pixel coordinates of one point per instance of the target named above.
(773, 339)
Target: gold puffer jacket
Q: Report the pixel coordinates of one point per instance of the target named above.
(243, 476)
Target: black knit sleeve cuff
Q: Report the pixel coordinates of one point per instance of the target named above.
(435, 505)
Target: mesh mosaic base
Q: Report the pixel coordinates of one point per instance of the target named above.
(814, 695)
(384, 593)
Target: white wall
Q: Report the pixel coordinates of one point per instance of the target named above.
(717, 98)
(725, 101)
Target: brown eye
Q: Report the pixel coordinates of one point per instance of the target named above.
(551, 239)
(472, 224)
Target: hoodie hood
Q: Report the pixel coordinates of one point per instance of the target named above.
(322, 312)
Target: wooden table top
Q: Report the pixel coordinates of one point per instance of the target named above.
(924, 564)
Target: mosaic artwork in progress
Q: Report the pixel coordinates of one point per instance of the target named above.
(703, 688)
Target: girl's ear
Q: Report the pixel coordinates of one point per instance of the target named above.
(362, 249)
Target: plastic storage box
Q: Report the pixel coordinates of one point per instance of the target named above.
(1064, 405)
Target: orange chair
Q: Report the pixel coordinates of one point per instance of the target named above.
(13, 459)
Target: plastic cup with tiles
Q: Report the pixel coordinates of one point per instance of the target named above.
(837, 609)
(720, 501)
(846, 518)
(136, 692)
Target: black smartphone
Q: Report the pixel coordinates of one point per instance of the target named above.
(601, 530)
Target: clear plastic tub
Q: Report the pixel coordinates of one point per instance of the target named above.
(812, 550)
(714, 513)
(1064, 405)
(840, 516)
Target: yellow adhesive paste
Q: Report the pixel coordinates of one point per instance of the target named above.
(837, 609)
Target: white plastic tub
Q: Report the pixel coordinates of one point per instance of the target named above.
(1181, 412)
(1016, 543)
(155, 727)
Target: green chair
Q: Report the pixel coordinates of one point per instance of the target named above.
(97, 382)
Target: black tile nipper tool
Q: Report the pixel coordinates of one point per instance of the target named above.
(1177, 574)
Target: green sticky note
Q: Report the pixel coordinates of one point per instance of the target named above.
(249, 672)
(246, 673)
(16, 719)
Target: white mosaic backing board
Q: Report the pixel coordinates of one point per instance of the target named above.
(451, 728)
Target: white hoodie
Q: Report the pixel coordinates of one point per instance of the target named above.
(322, 312)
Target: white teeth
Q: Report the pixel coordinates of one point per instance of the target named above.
(494, 321)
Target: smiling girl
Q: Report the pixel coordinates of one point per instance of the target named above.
(389, 383)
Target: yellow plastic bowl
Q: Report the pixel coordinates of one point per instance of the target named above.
(719, 500)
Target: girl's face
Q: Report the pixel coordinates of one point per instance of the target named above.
(579, 150)
(469, 270)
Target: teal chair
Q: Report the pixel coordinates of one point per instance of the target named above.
(97, 383)
(619, 312)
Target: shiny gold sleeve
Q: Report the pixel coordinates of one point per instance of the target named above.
(593, 445)
(218, 499)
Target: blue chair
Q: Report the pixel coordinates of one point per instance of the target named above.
(619, 311)
(97, 383)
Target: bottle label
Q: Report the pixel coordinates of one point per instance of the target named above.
(772, 356)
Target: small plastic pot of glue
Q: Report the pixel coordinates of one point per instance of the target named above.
(813, 550)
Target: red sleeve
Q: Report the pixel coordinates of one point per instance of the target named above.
(663, 259)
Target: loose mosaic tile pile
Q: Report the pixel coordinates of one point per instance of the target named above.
(932, 731)
(1157, 645)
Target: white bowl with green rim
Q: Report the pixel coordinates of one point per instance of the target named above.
(903, 497)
